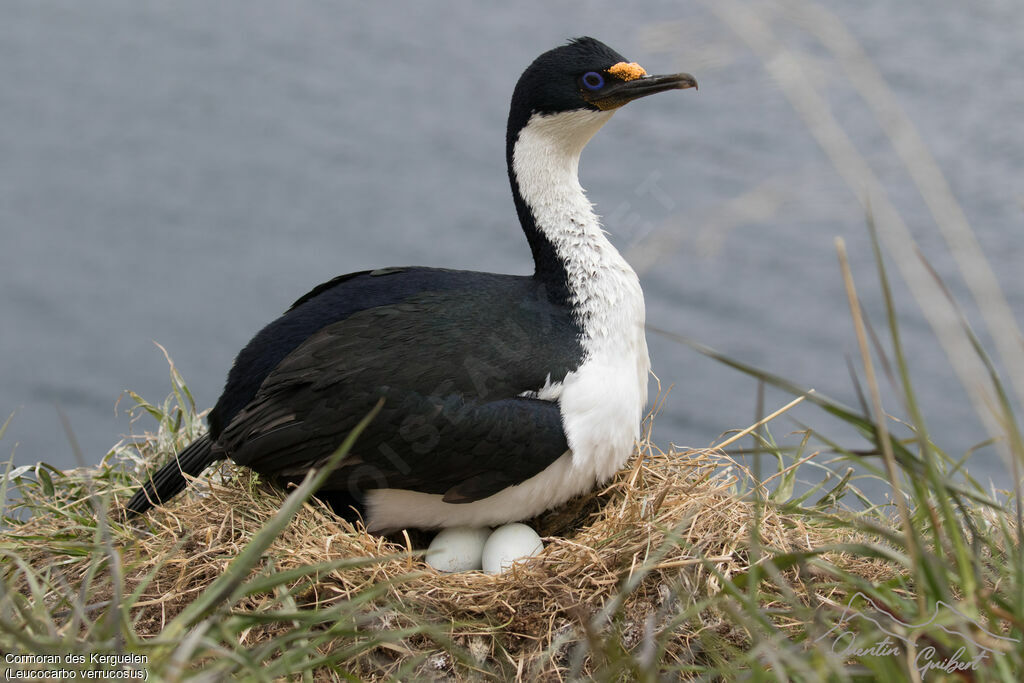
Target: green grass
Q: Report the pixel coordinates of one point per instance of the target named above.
(955, 545)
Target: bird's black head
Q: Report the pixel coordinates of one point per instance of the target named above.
(585, 74)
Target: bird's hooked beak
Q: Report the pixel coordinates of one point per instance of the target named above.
(616, 94)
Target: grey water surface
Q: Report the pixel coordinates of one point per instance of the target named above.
(181, 172)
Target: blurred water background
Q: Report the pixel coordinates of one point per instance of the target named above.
(181, 172)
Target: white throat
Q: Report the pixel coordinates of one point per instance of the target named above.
(603, 287)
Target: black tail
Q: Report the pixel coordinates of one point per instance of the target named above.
(169, 480)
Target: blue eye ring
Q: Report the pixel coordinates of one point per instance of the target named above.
(592, 80)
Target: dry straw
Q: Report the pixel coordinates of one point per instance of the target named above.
(650, 544)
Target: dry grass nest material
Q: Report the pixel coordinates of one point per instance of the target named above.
(665, 521)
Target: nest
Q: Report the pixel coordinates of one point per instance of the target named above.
(653, 542)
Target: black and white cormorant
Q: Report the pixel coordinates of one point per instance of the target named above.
(503, 395)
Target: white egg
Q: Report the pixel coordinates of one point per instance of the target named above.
(510, 543)
(457, 549)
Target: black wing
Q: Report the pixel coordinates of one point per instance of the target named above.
(451, 365)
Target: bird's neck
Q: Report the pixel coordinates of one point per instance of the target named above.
(572, 255)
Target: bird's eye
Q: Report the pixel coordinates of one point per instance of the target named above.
(593, 80)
